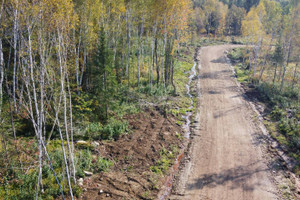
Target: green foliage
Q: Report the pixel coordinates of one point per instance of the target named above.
(234, 19)
(277, 113)
(22, 188)
(277, 56)
(86, 145)
(165, 161)
(19, 185)
(247, 4)
(237, 55)
(83, 162)
(127, 108)
(242, 75)
(273, 96)
(284, 105)
(93, 128)
(102, 164)
(113, 129)
(86, 162)
(83, 103)
(156, 90)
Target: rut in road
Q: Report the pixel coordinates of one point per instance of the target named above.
(226, 161)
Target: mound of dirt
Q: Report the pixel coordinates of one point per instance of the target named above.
(134, 154)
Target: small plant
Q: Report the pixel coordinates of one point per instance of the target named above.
(277, 113)
(113, 129)
(83, 162)
(178, 135)
(102, 165)
(163, 164)
(180, 123)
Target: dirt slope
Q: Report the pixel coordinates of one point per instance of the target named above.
(133, 155)
(226, 159)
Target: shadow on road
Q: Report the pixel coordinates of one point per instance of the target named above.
(237, 176)
(220, 60)
(226, 112)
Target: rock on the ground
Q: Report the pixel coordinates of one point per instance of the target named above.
(80, 182)
(95, 144)
(81, 142)
(100, 192)
(87, 173)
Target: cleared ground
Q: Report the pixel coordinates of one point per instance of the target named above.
(226, 159)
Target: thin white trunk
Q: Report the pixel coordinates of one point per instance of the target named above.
(15, 41)
(71, 131)
(152, 54)
(62, 82)
(288, 53)
(256, 52)
(140, 50)
(1, 75)
(128, 47)
(164, 51)
(295, 76)
(76, 55)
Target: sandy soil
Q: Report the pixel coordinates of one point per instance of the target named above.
(226, 158)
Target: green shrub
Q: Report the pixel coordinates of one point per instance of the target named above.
(83, 162)
(237, 54)
(284, 126)
(94, 128)
(102, 164)
(165, 161)
(277, 113)
(242, 74)
(295, 142)
(113, 129)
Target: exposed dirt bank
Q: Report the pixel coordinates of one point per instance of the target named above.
(134, 154)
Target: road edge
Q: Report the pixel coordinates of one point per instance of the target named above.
(270, 142)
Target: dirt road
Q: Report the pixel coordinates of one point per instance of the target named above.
(226, 159)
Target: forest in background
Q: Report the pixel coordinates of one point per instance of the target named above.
(70, 70)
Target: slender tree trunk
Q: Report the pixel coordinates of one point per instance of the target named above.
(289, 47)
(156, 62)
(140, 51)
(256, 52)
(62, 66)
(152, 55)
(266, 58)
(164, 52)
(1, 71)
(76, 55)
(1, 74)
(129, 48)
(275, 74)
(15, 41)
(294, 77)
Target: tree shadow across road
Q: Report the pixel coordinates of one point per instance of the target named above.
(226, 112)
(238, 176)
(220, 60)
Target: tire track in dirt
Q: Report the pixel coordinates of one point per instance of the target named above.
(226, 160)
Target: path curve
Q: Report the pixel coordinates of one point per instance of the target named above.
(226, 159)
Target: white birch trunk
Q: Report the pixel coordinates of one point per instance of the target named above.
(152, 54)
